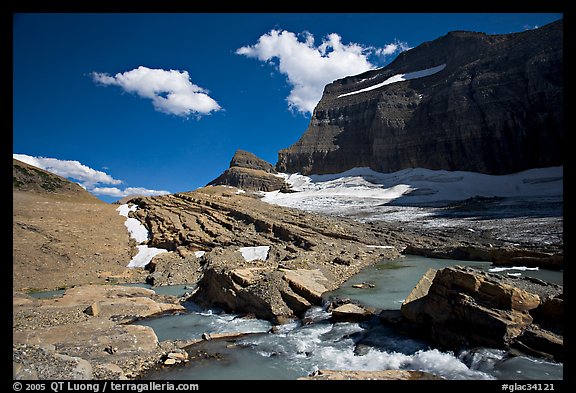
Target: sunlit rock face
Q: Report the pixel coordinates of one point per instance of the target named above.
(248, 172)
(465, 101)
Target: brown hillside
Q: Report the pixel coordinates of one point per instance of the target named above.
(63, 235)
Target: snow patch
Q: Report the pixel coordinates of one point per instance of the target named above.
(399, 78)
(255, 253)
(144, 256)
(123, 210)
(199, 254)
(139, 233)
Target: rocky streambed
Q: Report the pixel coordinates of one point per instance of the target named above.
(105, 332)
(215, 237)
(347, 338)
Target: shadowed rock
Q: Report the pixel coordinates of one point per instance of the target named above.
(496, 107)
(460, 307)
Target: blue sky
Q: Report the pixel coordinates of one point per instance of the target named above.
(160, 102)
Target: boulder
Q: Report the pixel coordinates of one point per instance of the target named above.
(350, 313)
(461, 307)
(310, 284)
(174, 268)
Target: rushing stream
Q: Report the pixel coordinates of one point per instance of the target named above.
(295, 350)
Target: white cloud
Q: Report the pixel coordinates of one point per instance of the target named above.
(530, 27)
(116, 192)
(392, 48)
(171, 92)
(310, 68)
(87, 177)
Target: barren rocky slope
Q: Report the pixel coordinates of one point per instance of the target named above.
(63, 235)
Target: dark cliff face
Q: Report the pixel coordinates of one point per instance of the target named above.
(496, 107)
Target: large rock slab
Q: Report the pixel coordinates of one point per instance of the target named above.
(459, 307)
(83, 335)
(310, 284)
(350, 313)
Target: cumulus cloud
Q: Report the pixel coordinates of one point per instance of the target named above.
(309, 67)
(171, 91)
(116, 192)
(392, 48)
(86, 177)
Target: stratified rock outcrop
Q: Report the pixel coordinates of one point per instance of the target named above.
(307, 254)
(83, 334)
(250, 173)
(460, 307)
(483, 103)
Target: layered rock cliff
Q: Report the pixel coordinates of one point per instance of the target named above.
(249, 172)
(459, 307)
(465, 101)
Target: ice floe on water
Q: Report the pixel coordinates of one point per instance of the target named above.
(139, 233)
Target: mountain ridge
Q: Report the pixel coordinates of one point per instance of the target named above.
(496, 108)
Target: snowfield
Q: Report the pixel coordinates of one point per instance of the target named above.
(399, 78)
(364, 187)
(419, 196)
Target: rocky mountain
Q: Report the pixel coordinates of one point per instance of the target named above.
(465, 101)
(249, 172)
(63, 235)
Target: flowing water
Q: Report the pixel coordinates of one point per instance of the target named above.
(295, 350)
